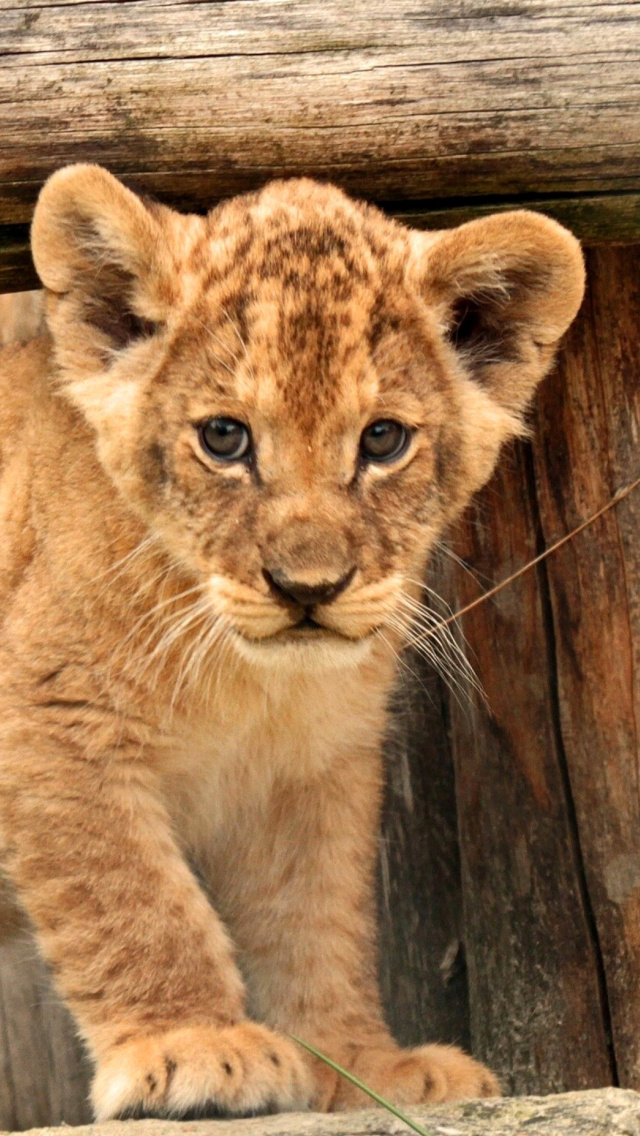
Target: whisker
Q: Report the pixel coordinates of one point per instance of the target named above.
(220, 341)
(424, 632)
(160, 628)
(227, 654)
(478, 577)
(440, 624)
(192, 665)
(424, 587)
(178, 623)
(234, 327)
(447, 674)
(216, 339)
(127, 560)
(431, 629)
(399, 657)
(163, 604)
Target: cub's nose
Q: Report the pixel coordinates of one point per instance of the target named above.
(305, 594)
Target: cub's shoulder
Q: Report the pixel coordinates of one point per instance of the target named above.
(21, 317)
(24, 369)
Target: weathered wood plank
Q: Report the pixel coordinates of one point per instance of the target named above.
(586, 447)
(17, 273)
(430, 10)
(595, 220)
(537, 1012)
(394, 99)
(148, 29)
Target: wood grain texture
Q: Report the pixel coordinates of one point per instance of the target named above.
(17, 273)
(587, 447)
(537, 1012)
(393, 99)
(548, 783)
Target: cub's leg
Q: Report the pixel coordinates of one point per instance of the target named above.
(297, 889)
(136, 949)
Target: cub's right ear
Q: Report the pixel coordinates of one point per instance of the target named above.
(96, 244)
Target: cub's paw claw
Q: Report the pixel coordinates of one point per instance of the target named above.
(237, 1069)
(413, 1076)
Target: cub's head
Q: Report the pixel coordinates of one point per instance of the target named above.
(296, 393)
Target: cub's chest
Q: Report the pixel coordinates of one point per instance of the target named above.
(219, 765)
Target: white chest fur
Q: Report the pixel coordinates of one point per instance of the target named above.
(264, 728)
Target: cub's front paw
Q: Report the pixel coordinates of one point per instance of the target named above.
(413, 1076)
(239, 1069)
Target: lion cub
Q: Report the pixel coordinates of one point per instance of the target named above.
(222, 471)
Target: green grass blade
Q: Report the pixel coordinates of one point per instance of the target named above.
(360, 1085)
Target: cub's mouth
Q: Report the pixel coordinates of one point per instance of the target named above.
(305, 623)
(306, 630)
(310, 627)
(308, 623)
(305, 646)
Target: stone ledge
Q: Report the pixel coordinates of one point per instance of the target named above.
(597, 1112)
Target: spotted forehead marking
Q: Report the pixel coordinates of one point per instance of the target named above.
(300, 282)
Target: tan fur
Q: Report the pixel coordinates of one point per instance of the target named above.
(157, 707)
(21, 317)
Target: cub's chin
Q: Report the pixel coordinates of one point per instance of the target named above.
(304, 649)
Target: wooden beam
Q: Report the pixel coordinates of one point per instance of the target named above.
(396, 100)
(422, 959)
(595, 218)
(17, 273)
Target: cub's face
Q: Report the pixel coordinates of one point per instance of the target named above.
(299, 442)
(296, 393)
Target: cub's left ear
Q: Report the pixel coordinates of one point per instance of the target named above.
(505, 288)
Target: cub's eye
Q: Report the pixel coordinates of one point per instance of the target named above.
(225, 439)
(384, 441)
